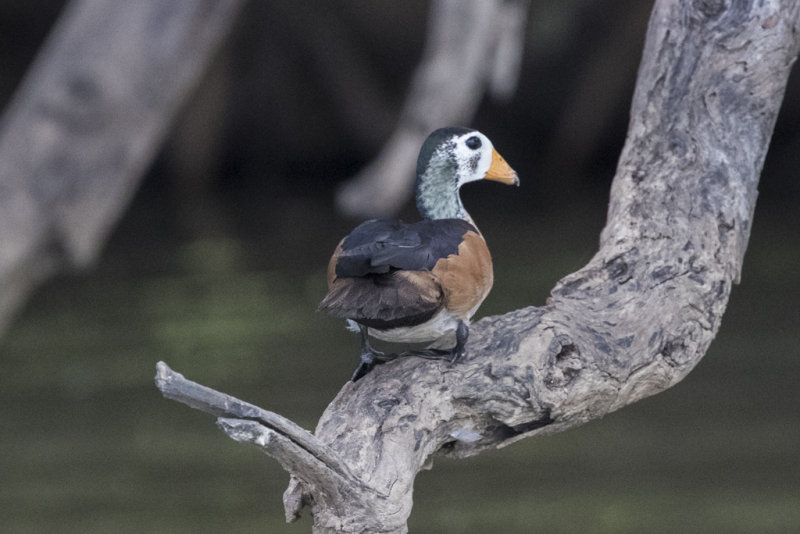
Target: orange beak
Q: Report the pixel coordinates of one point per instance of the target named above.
(500, 171)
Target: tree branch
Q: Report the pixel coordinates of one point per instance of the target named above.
(630, 324)
(313, 463)
(176, 387)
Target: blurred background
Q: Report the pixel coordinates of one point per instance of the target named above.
(218, 264)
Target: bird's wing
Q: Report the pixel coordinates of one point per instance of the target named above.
(398, 298)
(382, 274)
(378, 246)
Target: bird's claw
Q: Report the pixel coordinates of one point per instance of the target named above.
(369, 360)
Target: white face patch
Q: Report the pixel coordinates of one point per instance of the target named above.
(473, 153)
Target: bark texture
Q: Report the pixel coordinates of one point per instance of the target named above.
(630, 324)
(86, 123)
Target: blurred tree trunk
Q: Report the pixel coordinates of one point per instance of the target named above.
(633, 322)
(472, 46)
(86, 123)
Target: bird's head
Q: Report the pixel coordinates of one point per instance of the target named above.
(449, 158)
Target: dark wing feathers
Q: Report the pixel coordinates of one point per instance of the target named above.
(383, 275)
(379, 246)
(400, 298)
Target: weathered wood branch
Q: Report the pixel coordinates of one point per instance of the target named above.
(85, 124)
(297, 450)
(630, 324)
(176, 387)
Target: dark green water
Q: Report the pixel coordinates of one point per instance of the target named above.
(88, 444)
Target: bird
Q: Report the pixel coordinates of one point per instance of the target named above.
(420, 282)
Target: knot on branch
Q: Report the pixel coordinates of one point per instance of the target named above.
(710, 9)
(618, 269)
(680, 351)
(564, 362)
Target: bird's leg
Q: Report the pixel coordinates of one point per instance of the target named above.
(370, 357)
(462, 334)
(454, 354)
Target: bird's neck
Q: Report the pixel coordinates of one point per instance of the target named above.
(439, 199)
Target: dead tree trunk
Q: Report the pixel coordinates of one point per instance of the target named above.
(86, 123)
(630, 324)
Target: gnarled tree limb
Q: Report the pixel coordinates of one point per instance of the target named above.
(630, 324)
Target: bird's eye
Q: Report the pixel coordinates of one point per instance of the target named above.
(473, 142)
